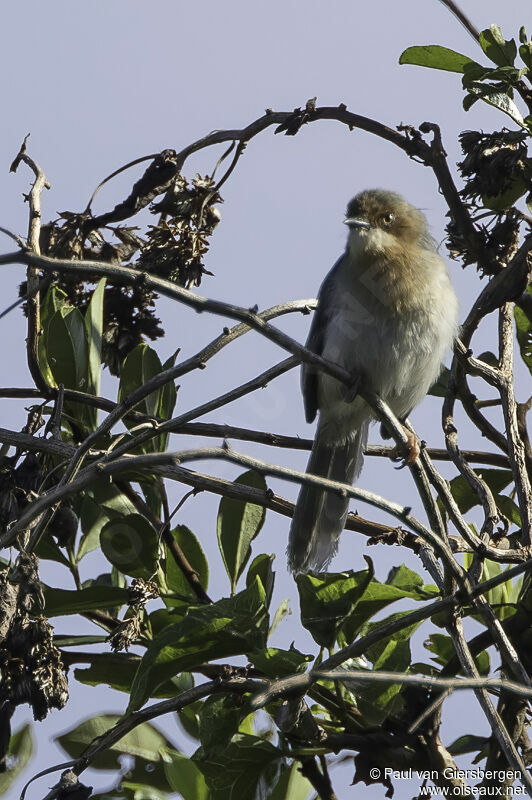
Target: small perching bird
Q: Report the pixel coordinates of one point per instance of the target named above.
(387, 313)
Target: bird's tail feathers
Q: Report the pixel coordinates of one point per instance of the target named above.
(320, 515)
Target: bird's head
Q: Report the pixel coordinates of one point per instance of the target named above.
(381, 221)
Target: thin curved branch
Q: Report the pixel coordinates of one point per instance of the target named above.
(516, 450)
(32, 275)
(495, 722)
(211, 429)
(87, 475)
(288, 121)
(128, 723)
(455, 9)
(358, 678)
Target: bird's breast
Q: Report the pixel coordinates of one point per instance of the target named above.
(392, 334)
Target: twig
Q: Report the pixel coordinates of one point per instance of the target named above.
(86, 476)
(218, 431)
(491, 514)
(356, 679)
(170, 425)
(320, 782)
(516, 450)
(190, 574)
(32, 276)
(459, 14)
(16, 238)
(116, 172)
(131, 721)
(360, 646)
(195, 362)
(472, 409)
(496, 724)
(54, 423)
(522, 411)
(476, 544)
(375, 530)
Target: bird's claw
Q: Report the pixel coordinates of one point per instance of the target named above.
(407, 453)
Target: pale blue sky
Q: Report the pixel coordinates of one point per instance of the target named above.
(98, 84)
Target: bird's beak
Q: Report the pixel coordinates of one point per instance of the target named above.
(357, 222)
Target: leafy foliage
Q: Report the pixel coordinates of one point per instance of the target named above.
(259, 714)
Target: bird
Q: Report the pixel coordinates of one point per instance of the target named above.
(387, 313)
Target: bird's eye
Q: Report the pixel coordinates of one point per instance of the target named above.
(387, 219)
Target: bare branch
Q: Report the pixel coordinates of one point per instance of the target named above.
(516, 450)
(87, 475)
(455, 9)
(190, 574)
(32, 276)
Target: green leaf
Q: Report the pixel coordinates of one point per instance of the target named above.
(144, 741)
(380, 652)
(233, 772)
(378, 701)
(326, 600)
(153, 490)
(110, 499)
(238, 523)
(229, 627)
(525, 51)
(183, 775)
(94, 327)
(523, 325)
(277, 663)
(443, 649)
(509, 509)
(193, 551)
(131, 790)
(493, 96)
(291, 785)
(92, 521)
(117, 670)
(219, 721)
(466, 498)
(283, 610)
(131, 545)
(47, 548)
(497, 49)
(59, 602)
(19, 753)
(406, 579)
(54, 299)
(467, 744)
(262, 566)
(66, 348)
(435, 56)
(169, 392)
(376, 597)
(140, 365)
(189, 718)
(74, 640)
(501, 202)
(499, 596)
(162, 617)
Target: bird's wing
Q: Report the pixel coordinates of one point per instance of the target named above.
(315, 342)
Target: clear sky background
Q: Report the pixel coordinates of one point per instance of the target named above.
(99, 84)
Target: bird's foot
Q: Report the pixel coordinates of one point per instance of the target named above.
(408, 452)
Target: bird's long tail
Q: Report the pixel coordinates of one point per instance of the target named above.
(320, 515)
